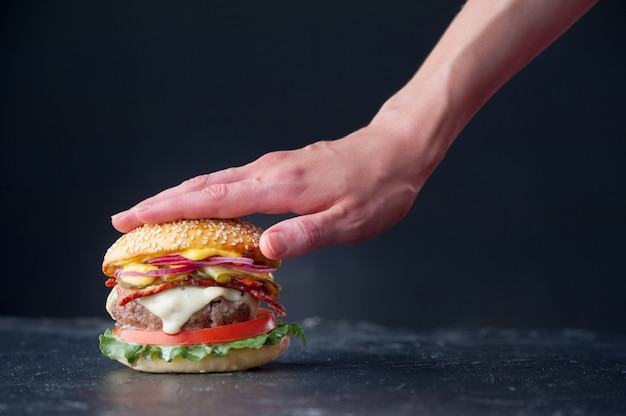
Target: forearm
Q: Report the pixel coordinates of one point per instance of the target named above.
(486, 44)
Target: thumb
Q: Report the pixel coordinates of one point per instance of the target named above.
(299, 235)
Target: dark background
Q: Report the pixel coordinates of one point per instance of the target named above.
(105, 103)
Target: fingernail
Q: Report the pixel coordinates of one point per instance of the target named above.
(119, 215)
(277, 243)
(142, 206)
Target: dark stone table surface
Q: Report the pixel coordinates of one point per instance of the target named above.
(53, 367)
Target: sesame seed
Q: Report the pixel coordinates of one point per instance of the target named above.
(185, 234)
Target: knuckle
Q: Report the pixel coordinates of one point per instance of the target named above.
(282, 168)
(289, 174)
(356, 221)
(310, 231)
(273, 158)
(362, 221)
(318, 146)
(197, 181)
(216, 191)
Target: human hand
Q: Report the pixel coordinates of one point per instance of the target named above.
(344, 191)
(351, 189)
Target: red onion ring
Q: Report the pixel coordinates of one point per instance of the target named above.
(187, 266)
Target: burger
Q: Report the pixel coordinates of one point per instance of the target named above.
(193, 296)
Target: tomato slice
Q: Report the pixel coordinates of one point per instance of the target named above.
(264, 322)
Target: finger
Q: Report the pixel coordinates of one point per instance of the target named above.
(125, 221)
(195, 184)
(303, 234)
(215, 201)
(212, 201)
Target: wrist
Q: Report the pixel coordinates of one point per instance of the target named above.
(420, 123)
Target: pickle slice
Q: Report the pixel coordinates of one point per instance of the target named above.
(136, 281)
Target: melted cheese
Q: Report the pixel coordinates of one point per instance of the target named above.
(203, 253)
(111, 299)
(139, 267)
(191, 254)
(176, 306)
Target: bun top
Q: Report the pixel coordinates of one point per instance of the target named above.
(228, 237)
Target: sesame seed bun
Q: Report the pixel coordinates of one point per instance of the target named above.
(232, 236)
(235, 360)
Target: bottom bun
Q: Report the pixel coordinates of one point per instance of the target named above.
(235, 360)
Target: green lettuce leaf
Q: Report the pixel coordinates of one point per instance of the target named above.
(116, 349)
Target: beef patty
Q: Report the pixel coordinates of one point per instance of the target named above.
(219, 312)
